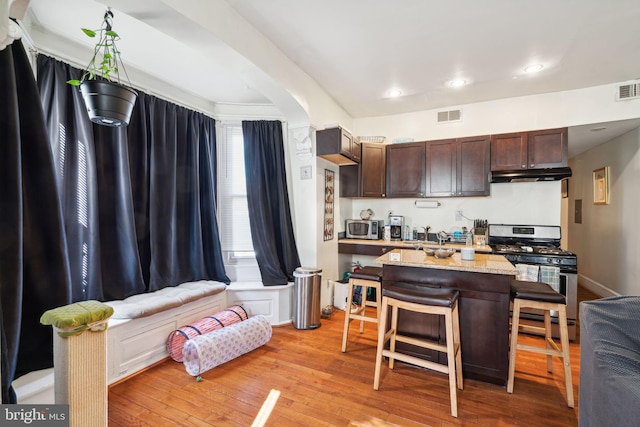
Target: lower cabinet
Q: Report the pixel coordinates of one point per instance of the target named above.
(363, 249)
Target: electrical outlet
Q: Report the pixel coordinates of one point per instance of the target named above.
(458, 215)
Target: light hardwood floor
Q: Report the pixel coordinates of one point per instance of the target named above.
(321, 386)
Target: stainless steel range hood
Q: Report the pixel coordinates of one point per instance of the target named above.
(529, 175)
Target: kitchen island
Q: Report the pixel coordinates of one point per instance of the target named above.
(483, 307)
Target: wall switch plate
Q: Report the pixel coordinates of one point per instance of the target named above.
(305, 172)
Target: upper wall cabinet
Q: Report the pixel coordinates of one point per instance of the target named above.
(372, 170)
(548, 148)
(368, 178)
(406, 164)
(458, 167)
(529, 150)
(338, 146)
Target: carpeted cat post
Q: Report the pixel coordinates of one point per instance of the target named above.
(80, 360)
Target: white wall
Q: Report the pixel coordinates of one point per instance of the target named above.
(608, 240)
(511, 203)
(546, 111)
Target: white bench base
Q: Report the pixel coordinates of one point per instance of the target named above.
(134, 344)
(274, 302)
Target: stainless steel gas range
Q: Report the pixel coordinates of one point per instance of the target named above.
(540, 245)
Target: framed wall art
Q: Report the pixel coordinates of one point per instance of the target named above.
(601, 186)
(329, 186)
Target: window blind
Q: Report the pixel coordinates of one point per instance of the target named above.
(234, 214)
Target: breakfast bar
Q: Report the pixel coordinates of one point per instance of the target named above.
(484, 289)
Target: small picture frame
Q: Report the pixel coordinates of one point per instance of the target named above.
(564, 188)
(601, 186)
(329, 185)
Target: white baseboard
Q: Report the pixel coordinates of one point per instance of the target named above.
(595, 287)
(35, 388)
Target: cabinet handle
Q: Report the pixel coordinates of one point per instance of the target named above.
(532, 165)
(384, 195)
(384, 250)
(524, 166)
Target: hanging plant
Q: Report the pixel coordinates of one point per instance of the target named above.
(108, 101)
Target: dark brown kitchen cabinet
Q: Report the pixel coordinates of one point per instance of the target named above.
(338, 146)
(350, 181)
(364, 249)
(406, 165)
(372, 170)
(441, 176)
(366, 179)
(458, 167)
(473, 166)
(548, 148)
(529, 150)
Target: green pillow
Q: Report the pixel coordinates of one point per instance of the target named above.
(73, 319)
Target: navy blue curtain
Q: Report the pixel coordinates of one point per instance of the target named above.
(268, 200)
(138, 201)
(34, 269)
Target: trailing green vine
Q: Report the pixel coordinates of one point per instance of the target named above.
(106, 56)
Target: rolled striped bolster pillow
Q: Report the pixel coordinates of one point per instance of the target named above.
(207, 351)
(226, 317)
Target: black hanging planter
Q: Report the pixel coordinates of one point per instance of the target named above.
(108, 103)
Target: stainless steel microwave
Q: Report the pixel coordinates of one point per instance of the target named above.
(370, 229)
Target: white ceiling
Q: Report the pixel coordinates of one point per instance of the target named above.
(357, 50)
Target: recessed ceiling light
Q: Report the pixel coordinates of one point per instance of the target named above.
(533, 68)
(394, 93)
(457, 83)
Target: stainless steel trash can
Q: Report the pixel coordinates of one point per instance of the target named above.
(306, 298)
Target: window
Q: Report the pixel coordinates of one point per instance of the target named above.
(235, 233)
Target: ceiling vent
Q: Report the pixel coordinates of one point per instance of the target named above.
(628, 91)
(449, 116)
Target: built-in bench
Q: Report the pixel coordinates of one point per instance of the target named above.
(140, 324)
(137, 333)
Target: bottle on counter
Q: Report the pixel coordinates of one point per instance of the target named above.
(469, 241)
(407, 232)
(387, 232)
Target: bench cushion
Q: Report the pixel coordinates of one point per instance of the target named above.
(141, 305)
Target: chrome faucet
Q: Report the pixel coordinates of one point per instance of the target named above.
(442, 237)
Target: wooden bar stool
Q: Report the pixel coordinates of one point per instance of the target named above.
(367, 277)
(541, 296)
(438, 301)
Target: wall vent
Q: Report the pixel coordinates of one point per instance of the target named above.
(628, 91)
(449, 116)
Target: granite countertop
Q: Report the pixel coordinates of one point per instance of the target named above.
(411, 244)
(483, 263)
